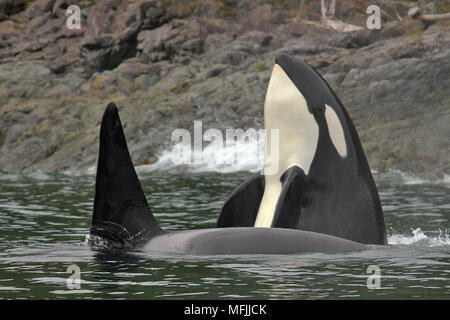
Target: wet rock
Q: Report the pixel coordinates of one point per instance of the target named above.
(172, 39)
(11, 7)
(110, 36)
(151, 14)
(39, 8)
(59, 66)
(59, 8)
(262, 39)
(166, 64)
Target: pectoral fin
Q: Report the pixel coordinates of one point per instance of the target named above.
(291, 199)
(242, 206)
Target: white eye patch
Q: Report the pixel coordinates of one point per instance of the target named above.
(335, 130)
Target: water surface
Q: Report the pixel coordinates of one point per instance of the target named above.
(45, 220)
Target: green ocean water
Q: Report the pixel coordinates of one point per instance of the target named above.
(44, 220)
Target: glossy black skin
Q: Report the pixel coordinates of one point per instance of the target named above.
(123, 219)
(242, 205)
(338, 196)
(121, 212)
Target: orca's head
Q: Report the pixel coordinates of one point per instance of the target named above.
(296, 88)
(310, 84)
(317, 135)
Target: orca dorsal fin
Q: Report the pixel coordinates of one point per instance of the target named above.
(121, 213)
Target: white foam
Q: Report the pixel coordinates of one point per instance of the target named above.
(237, 156)
(445, 179)
(249, 156)
(81, 172)
(400, 177)
(37, 175)
(10, 177)
(91, 170)
(419, 237)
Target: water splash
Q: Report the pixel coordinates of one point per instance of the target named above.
(37, 176)
(238, 156)
(249, 156)
(400, 177)
(419, 237)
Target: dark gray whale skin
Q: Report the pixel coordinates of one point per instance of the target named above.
(123, 219)
(233, 241)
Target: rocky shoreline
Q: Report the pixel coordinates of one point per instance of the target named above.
(168, 63)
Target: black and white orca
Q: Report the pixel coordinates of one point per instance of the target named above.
(323, 182)
(122, 218)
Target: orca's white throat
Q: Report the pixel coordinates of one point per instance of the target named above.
(285, 109)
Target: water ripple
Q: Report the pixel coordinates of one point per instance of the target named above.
(45, 219)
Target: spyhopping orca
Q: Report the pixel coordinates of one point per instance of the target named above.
(323, 183)
(123, 219)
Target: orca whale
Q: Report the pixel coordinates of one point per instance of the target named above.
(122, 218)
(323, 182)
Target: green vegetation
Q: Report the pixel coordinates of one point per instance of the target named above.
(444, 7)
(261, 67)
(184, 87)
(430, 97)
(413, 30)
(28, 3)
